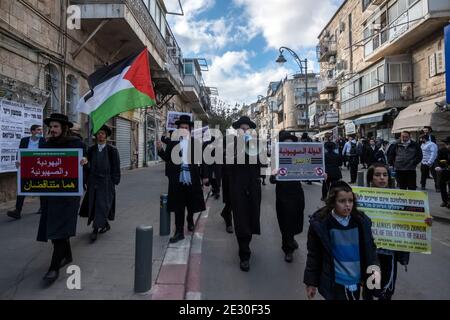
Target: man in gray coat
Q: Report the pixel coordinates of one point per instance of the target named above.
(405, 157)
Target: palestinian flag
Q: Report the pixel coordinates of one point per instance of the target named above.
(119, 87)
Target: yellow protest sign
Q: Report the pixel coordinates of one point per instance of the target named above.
(398, 218)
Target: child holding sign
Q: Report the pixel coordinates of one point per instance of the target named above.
(378, 176)
(340, 247)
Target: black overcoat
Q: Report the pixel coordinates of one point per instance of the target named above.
(173, 173)
(59, 214)
(244, 183)
(290, 205)
(101, 187)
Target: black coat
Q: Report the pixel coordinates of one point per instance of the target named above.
(370, 155)
(290, 205)
(59, 214)
(244, 185)
(175, 187)
(319, 271)
(25, 141)
(333, 162)
(101, 188)
(381, 157)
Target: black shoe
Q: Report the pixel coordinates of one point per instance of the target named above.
(94, 236)
(39, 211)
(105, 229)
(177, 237)
(14, 214)
(245, 265)
(309, 182)
(217, 196)
(190, 227)
(423, 188)
(289, 257)
(295, 244)
(443, 204)
(51, 276)
(229, 229)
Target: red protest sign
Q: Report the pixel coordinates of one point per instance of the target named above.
(55, 172)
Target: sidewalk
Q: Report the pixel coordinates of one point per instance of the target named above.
(107, 266)
(438, 213)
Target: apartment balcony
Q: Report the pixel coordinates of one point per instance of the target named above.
(327, 85)
(129, 26)
(325, 50)
(328, 119)
(386, 96)
(193, 93)
(422, 19)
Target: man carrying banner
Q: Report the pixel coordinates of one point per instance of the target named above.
(59, 213)
(185, 184)
(245, 195)
(35, 141)
(99, 203)
(290, 206)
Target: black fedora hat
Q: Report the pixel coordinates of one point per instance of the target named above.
(59, 117)
(184, 119)
(285, 135)
(447, 140)
(107, 130)
(244, 120)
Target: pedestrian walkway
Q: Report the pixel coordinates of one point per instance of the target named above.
(107, 266)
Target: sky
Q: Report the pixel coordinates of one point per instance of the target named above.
(240, 40)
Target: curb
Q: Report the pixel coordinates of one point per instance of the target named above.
(179, 275)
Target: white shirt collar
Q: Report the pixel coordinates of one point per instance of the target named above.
(101, 146)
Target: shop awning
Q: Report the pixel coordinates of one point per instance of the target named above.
(421, 114)
(371, 118)
(322, 134)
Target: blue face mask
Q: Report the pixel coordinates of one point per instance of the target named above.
(247, 137)
(39, 135)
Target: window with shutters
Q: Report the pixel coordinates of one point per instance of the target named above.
(440, 62)
(72, 98)
(432, 65)
(52, 85)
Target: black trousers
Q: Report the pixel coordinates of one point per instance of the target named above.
(179, 219)
(406, 179)
(341, 293)
(180, 211)
(227, 214)
(244, 247)
(21, 199)
(353, 171)
(288, 245)
(215, 185)
(425, 173)
(444, 184)
(61, 250)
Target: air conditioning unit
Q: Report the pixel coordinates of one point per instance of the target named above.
(341, 65)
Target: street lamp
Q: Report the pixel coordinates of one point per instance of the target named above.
(303, 64)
